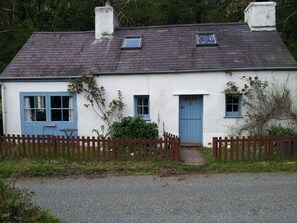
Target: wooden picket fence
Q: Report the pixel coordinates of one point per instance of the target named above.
(88, 148)
(254, 148)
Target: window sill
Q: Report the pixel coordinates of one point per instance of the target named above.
(145, 118)
(239, 117)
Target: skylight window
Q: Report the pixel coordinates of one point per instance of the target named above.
(206, 39)
(132, 42)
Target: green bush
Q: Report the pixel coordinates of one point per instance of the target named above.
(278, 130)
(15, 207)
(130, 127)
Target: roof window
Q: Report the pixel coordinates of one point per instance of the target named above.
(206, 39)
(134, 42)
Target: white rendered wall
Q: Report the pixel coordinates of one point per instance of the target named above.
(163, 90)
(11, 102)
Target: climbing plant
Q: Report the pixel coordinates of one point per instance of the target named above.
(95, 95)
(265, 104)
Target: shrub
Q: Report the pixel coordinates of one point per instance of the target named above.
(130, 127)
(15, 206)
(278, 130)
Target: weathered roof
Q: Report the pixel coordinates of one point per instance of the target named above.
(164, 49)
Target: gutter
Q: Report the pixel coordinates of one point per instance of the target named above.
(66, 78)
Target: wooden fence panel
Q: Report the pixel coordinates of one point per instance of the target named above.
(254, 148)
(89, 148)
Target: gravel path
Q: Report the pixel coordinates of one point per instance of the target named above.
(197, 198)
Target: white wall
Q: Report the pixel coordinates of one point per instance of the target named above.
(163, 90)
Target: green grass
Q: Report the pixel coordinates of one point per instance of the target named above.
(269, 165)
(63, 167)
(47, 168)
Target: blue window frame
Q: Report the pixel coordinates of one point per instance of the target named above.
(142, 106)
(47, 112)
(233, 105)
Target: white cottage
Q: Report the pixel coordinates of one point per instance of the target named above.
(172, 75)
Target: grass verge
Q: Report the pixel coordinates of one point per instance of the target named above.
(48, 168)
(269, 165)
(52, 167)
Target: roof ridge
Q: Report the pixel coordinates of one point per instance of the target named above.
(183, 25)
(64, 32)
(144, 27)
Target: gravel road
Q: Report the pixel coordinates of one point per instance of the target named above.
(196, 198)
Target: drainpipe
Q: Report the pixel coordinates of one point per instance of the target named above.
(3, 107)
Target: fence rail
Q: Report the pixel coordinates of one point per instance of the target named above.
(254, 148)
(88, 148)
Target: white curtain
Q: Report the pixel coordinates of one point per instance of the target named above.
(70, 109)
(28, 110)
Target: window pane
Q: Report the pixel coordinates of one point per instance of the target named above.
(132, 42)
(56, 115)
(67, 102)
(139, 110)
(229, 108)
(229, 99)
(145, 110)
(29, 102)
(145, 101)
(67, 115)
(235, 100)
(235, 108)
(139, 101)
(29, 115)
(56, 102)
(39, 101)
(206, 39)
(40, 115)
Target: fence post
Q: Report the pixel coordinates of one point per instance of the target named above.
(176, 149)
(214, 148)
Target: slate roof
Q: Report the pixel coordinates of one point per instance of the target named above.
(165, 49)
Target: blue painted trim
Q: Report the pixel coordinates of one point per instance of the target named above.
(144, 117)
(48, 109)
(234, 114)
(199, 128)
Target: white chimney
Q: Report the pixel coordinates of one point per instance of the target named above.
(105, 21)
(260, 16)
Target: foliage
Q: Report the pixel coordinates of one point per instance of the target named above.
(231, 88)
(15, 206)
(131, 127)
(95, 95)
(278, 130)
(265, 105)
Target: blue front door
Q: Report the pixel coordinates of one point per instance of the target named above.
(46, 113)
(190, 118)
